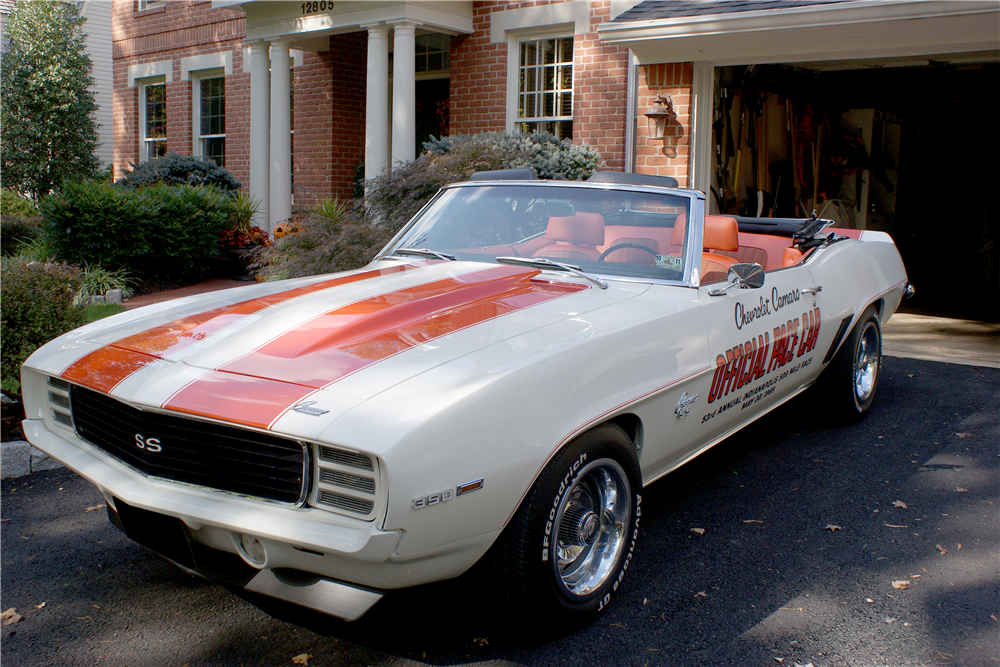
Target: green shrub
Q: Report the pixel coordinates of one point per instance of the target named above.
(94, 222)
(15, 232)
(182, 230)
(162, 231)
(333, 237)
(174, 169)
(36, 305)
(392, 199)
(14, 204)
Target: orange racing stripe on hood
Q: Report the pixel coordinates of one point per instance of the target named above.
(163, 340)
(347, 339)
(104, 368)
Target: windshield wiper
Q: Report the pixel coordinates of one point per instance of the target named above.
(423, 252)
(543, 263)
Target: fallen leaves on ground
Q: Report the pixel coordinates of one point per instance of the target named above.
(961, 435)
(481, 641)
(892, 525)
(10, 617)
(39, 606)
(700, 531)
(959, 489)
(752, 521)
(902, 584)
(832, 528)
(95, 507)
(899, 503)
(301, 659)
(701, 594)
(941, 549)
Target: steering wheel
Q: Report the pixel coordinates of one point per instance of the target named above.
(626, 245)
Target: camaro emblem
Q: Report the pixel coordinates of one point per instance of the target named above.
(151, 445)
(306, 408)
(684, 405)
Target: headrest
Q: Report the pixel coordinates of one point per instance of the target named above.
(721, 232)
(584, 228)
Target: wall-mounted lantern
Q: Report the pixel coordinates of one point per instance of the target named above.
(658, 119)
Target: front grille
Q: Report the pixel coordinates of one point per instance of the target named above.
(344, 502)
(216, 456)
(342, 484)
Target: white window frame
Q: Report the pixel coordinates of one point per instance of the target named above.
(197, 138)
(143, 5)
(513, 75)
(140, 76)
(565, 19)
(194, 69)
(144, 141)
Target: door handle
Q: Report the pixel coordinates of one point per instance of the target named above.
(813, 289)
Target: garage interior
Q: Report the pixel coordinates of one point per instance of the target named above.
(907, 146)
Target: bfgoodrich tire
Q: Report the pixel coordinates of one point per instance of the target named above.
(568, 547)
(852, 378)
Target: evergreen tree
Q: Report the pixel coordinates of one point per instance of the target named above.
(48, 132)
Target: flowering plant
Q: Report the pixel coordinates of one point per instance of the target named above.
(244, 237)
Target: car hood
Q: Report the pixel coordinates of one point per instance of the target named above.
(303, 352)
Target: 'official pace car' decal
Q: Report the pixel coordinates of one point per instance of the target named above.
(759, 357)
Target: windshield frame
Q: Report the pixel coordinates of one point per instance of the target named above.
(692, 241)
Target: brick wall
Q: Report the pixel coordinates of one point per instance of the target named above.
(675, 79)
(479, 83)
(330, 92)
(175, 30)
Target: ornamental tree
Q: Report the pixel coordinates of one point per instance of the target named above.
(46, 110)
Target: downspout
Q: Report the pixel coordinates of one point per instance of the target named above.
(631, 112)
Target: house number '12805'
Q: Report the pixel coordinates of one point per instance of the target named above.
(314, 7)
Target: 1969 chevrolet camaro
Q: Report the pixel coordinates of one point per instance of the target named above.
(501, 382)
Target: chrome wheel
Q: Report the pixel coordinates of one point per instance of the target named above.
(590, 527)
(866, 362)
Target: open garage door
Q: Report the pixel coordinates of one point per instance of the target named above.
(906, 146)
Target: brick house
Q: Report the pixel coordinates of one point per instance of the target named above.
(294, 97)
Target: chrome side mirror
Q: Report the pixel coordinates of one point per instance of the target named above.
(744, 276)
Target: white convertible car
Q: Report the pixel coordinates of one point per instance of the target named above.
(501, 382)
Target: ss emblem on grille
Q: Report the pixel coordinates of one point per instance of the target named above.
(149, 444)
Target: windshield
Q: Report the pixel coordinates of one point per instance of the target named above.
(612, 232)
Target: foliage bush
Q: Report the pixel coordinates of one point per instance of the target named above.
(161, 231)
(182, 230)
(14, 204)
(333, 237)
(174, 169)
(16, 232)
(94, 222)
(36, 305)
(392, 199)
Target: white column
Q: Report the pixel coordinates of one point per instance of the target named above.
(260, 124)
(404, 124)
(377, 103)
(281, 128)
